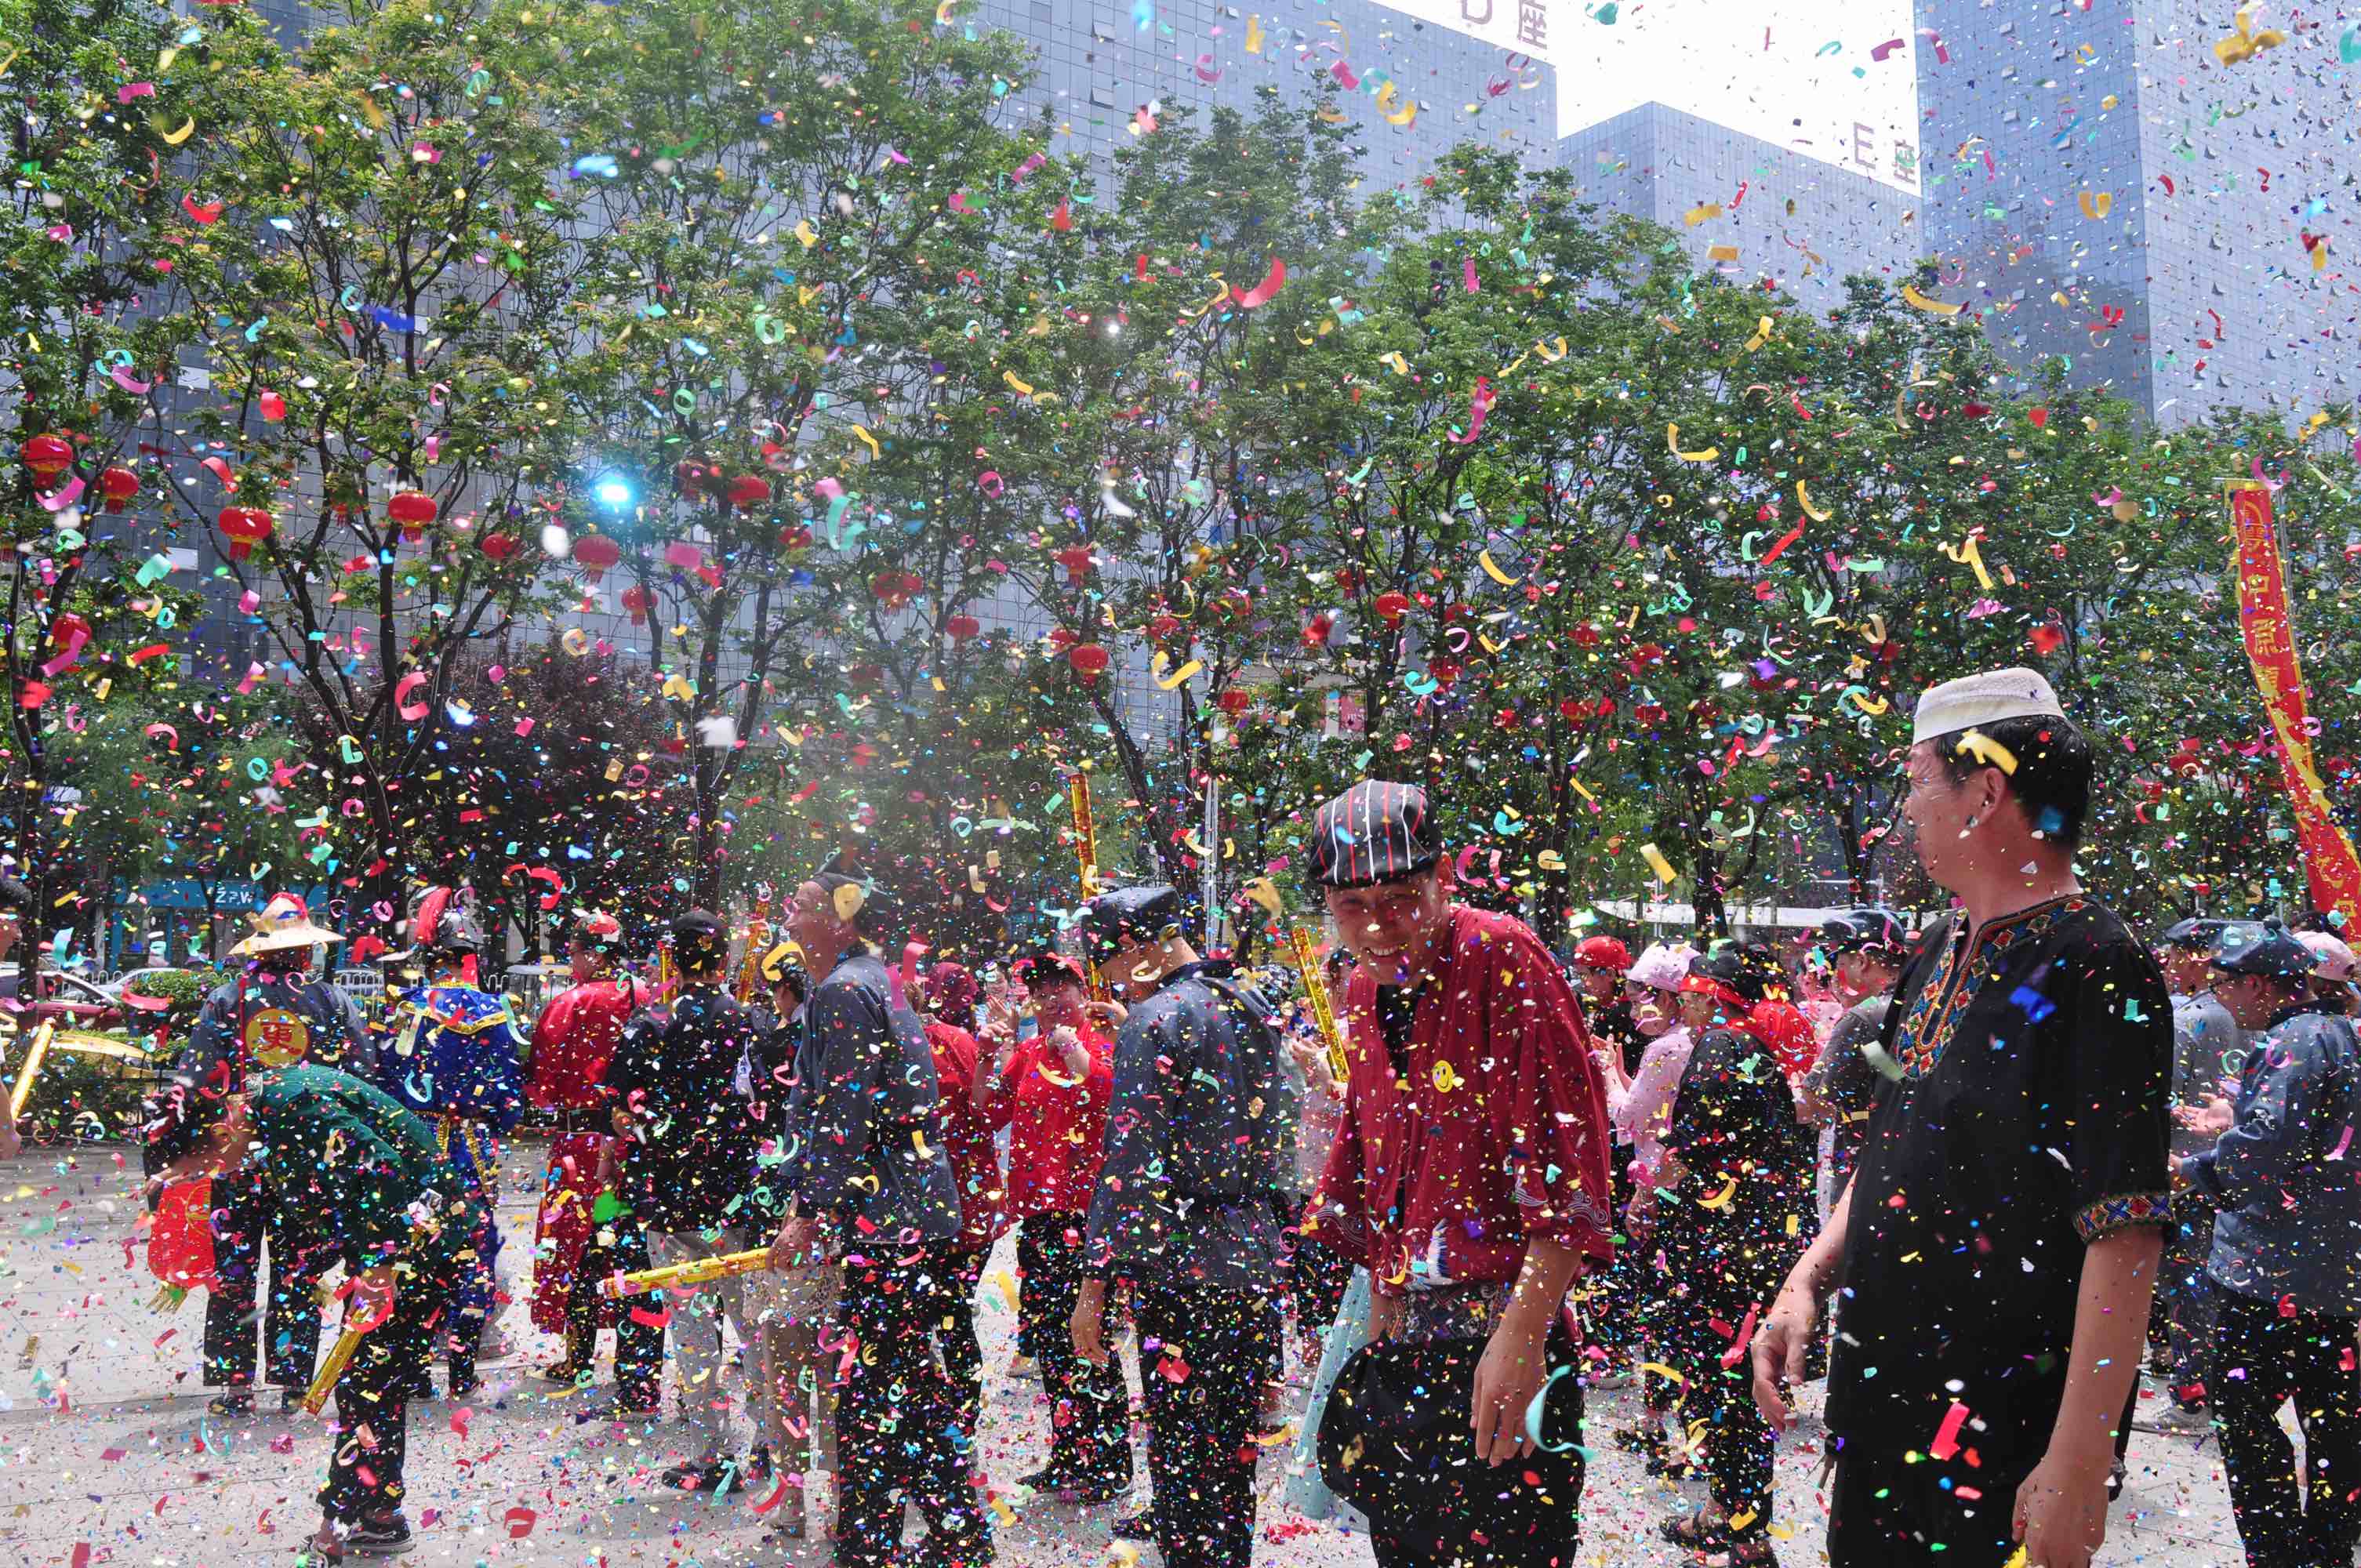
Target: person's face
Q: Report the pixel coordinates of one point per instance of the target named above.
(1651, 1010)
(2250, 998)
(2186, 971)
(811, 919)
(784, 999)
(12, 930)
(1698, 1010)
(584, 961)
(1598, 985)
(1057, 999)
(1943, 816)
(1860, 975)
(1133, 970)
(1388, 926)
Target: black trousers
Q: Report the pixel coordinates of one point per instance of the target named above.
(898, 1421)
(1739, 1442)
(1090, 1413)
(1883, 1512)
(639, 1344)
(1320, 1275)
(243, 1226)
(1201, 1453)
(390, 1368)
(2181, 1316)
(2262, 1360)
(962, 1354)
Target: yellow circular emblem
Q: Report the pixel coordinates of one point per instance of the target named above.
(276, 1037)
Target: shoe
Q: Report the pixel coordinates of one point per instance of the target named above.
(2175, 1420)
(561, 1372)
(623, 1410)
(388, 1536)
(718, 1478)
(1649, 1439)
(1140, 1526)
(324, 1546)
(1024, 1367)
(235, 1402)
(1050, 1477)
(290, 1401)
(464, 1384)
(1692, 1531)
(1091, 1492)
(494, 1346)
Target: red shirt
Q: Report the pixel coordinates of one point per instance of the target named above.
(1056, 1137)
(966, 1134)
(576, 1034)
(1498, 1134)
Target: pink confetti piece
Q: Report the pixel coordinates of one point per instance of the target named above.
(1946, 1436)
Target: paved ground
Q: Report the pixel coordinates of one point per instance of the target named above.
(104, 1444)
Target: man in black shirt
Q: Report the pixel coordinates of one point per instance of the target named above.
(1998, 1245)
(687, 1175)
(873, 1185)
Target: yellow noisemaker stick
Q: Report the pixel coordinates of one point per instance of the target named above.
(340, 1356)
(680, 1275)
(1323, 1012)
(1086, 849)
(30, 1069)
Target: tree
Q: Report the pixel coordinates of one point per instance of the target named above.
(780, 199)
(382, 259)
(85, 350)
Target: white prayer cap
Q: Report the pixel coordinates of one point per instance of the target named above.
(1986, 698)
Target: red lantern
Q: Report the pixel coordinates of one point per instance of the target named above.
(118, 485)
(46, 455)
(962, 627)
(693, 478)
(1090, 659)
(1391, 607)
(1163, 626)
(1076, 559)
(69, 629)
(895, 589)
(1316, 631)
(246, 527)
(595, 553)
(498, 547)
(638, 600)
(1234, 701)
(749, 491)
(413, 511)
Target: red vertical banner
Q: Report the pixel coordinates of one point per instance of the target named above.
(2329, 862)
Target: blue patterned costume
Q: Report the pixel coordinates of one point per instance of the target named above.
(452, 1058)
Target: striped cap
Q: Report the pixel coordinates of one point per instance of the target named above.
(1373, 832)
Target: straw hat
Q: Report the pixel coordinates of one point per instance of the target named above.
(284, 922)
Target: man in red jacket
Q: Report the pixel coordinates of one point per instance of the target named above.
(1469, 1176)
(574, 1244)
(966, 1132)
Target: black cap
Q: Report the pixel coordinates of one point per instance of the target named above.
(1744, 967)
(1858, 930)
(2198, 934)
(2264, 949)
(1147, 914)
(13, 895)
(699, 939)
(872, 915)
(1066, 966)
(1373, 832)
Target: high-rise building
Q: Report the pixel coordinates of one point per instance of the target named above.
(2137, 187)
(1742, 205)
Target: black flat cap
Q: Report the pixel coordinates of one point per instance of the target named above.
(2265, 950)
(1373, 832)
(2198, 934)
(1147, 914)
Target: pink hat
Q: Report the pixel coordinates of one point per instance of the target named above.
(2331, 959)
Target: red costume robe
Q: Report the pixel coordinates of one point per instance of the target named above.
(1495, 1135)
(571, 1043)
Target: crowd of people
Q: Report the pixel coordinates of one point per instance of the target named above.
(1973, 1175)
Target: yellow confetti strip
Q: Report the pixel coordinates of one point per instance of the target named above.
(1986, 750)
(1658, 864)
(1721, 1199)
(1672, 445)
(1493, 570)
(1932, 307)
(1804, 500)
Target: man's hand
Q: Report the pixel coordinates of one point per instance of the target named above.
(1000, 1023)
(797, 1244)
(1779, 1345)
(1640, 1214)
(2061, 1509)
(1513, 1369)
(372, 1298)
(1071, 1050)
(1108, 1014)
(1384, 1316)
(2212, 1118)
(621, 1120)
(1090, 1311)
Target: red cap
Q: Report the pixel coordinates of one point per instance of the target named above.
(1603, 952)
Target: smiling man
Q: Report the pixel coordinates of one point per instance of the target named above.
(1469, 1176)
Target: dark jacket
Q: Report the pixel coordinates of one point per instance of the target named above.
(340, 1158)
(1195, 1184)
(864, 1113)
(2284, 1175)
(246, 1026)
(690, 1163)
